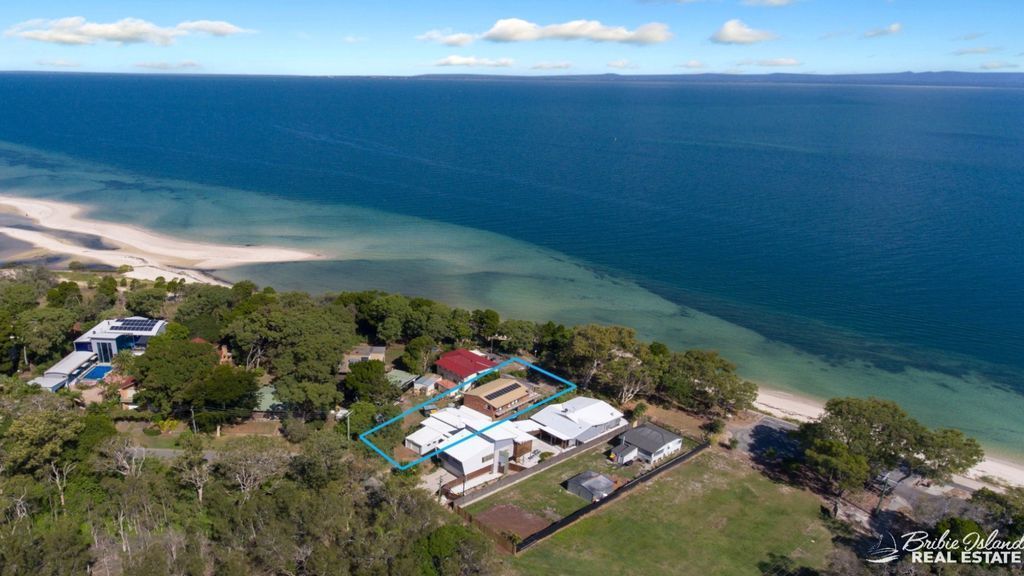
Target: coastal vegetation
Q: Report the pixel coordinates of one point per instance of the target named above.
(78, 492)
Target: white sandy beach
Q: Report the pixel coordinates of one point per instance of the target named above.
(150, 254)
(803, 409)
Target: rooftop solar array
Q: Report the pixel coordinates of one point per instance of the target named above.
(503, 390)
(135, 325)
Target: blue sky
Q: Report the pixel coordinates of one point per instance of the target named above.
(336, 37)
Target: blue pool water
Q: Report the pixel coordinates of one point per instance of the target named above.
(98, 372)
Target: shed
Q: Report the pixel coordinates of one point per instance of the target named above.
(590, 486)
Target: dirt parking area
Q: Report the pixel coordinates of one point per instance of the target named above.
(508, 518)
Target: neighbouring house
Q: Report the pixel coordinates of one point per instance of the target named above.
(590, 486)
(460, 365)
(400, 379)
(648, 443)
(440, 426)
(499, 398)
(126, 391)
(109, 337)
(444, 385)
(576, 421)
(472, 445)
(361, 353)
(484, 451)
(426, 385)
(68, 371)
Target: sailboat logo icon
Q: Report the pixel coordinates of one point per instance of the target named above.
(884, 551)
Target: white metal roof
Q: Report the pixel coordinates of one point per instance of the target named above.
(568, 420)
(471, 448)
(426, 436)
(49, 382)
(70, 363)
(104, 330)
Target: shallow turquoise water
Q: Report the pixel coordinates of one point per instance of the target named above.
(365, 248)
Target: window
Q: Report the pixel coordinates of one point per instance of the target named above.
(487, 458)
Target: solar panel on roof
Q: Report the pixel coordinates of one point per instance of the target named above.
(134, 325)
(502, 391)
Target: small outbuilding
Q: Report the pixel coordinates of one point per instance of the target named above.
(590, 486)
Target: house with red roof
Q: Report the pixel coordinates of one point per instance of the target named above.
(460, 365)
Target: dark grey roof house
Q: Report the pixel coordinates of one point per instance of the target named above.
(590, 486)
(648, 442)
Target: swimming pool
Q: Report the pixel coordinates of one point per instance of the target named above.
(97, 372)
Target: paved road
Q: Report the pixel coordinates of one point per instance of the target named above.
(171, 453)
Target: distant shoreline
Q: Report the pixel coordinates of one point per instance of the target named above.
(149, 254)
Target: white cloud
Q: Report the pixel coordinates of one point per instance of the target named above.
(518, 30)
(997, 65)
(473, 61)
(184, 65)
(211, 27)
(976, 50)
(76, 30)
(58, 63)
(446, 37)
(353, 39)
(552, 66)
(969, 36)
(771, 3)
(894, 28)
(773, 62)
(736, 32)
(691, 64)
(622, 64)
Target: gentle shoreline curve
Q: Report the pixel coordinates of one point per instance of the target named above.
(152, 255)
(149, 254)
(804, 409)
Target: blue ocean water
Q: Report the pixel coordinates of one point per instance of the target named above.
(860, 224)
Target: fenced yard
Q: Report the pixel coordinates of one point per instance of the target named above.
(711, 515)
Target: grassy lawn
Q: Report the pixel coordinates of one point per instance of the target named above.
(713, 515)
(543, 494)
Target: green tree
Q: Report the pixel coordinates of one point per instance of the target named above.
(419, 354)
(308, 397)
(367, 381)
(704, 382)
(877, 430)
(64, 295)
(592, 347)
(485, 325)
(833, 462)
(148, 302)
(41, 428)
(517, 336)
(175, 331)
(44, 332)
(454, 549)
(170, 368)
(946, 452)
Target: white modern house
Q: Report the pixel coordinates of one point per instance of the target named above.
(485, 451)
(109, 337)
(97, 347)
(474, 448)
(441, 426)
(577, 421)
